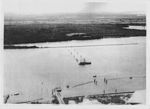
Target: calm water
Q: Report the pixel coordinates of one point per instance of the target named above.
(136, 27)
(34, 72)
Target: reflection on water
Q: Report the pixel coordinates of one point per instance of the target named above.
(34, 72)
(136, 27)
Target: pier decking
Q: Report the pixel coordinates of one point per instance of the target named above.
(113, 85)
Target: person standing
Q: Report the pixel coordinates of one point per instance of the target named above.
(105, 81)
(95, 81)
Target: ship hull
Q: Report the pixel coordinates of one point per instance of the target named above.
(84, 63)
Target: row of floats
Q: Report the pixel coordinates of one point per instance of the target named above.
(81, 60)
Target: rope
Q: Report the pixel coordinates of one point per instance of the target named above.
(82, 84)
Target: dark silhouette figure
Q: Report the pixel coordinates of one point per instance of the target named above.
(95, 81)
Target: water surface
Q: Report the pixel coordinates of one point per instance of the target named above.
(34, 72)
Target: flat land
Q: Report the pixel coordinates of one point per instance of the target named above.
(55, 28)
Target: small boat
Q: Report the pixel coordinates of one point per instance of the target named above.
(84, 62)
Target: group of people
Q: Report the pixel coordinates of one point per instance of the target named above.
(95, 80)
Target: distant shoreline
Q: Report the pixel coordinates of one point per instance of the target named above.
(18, 47)
(37, 33)
(87, 45)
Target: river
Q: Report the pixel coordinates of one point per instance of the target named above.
(34, 72)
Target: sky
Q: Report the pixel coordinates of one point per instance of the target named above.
(72, 6)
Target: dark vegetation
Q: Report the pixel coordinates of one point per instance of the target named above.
(32, 33)
(51, 28)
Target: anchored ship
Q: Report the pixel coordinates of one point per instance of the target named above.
(84, 62)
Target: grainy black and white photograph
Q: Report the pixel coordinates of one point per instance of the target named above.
(74, 52)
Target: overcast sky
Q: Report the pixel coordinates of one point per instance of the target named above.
(72, 6)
